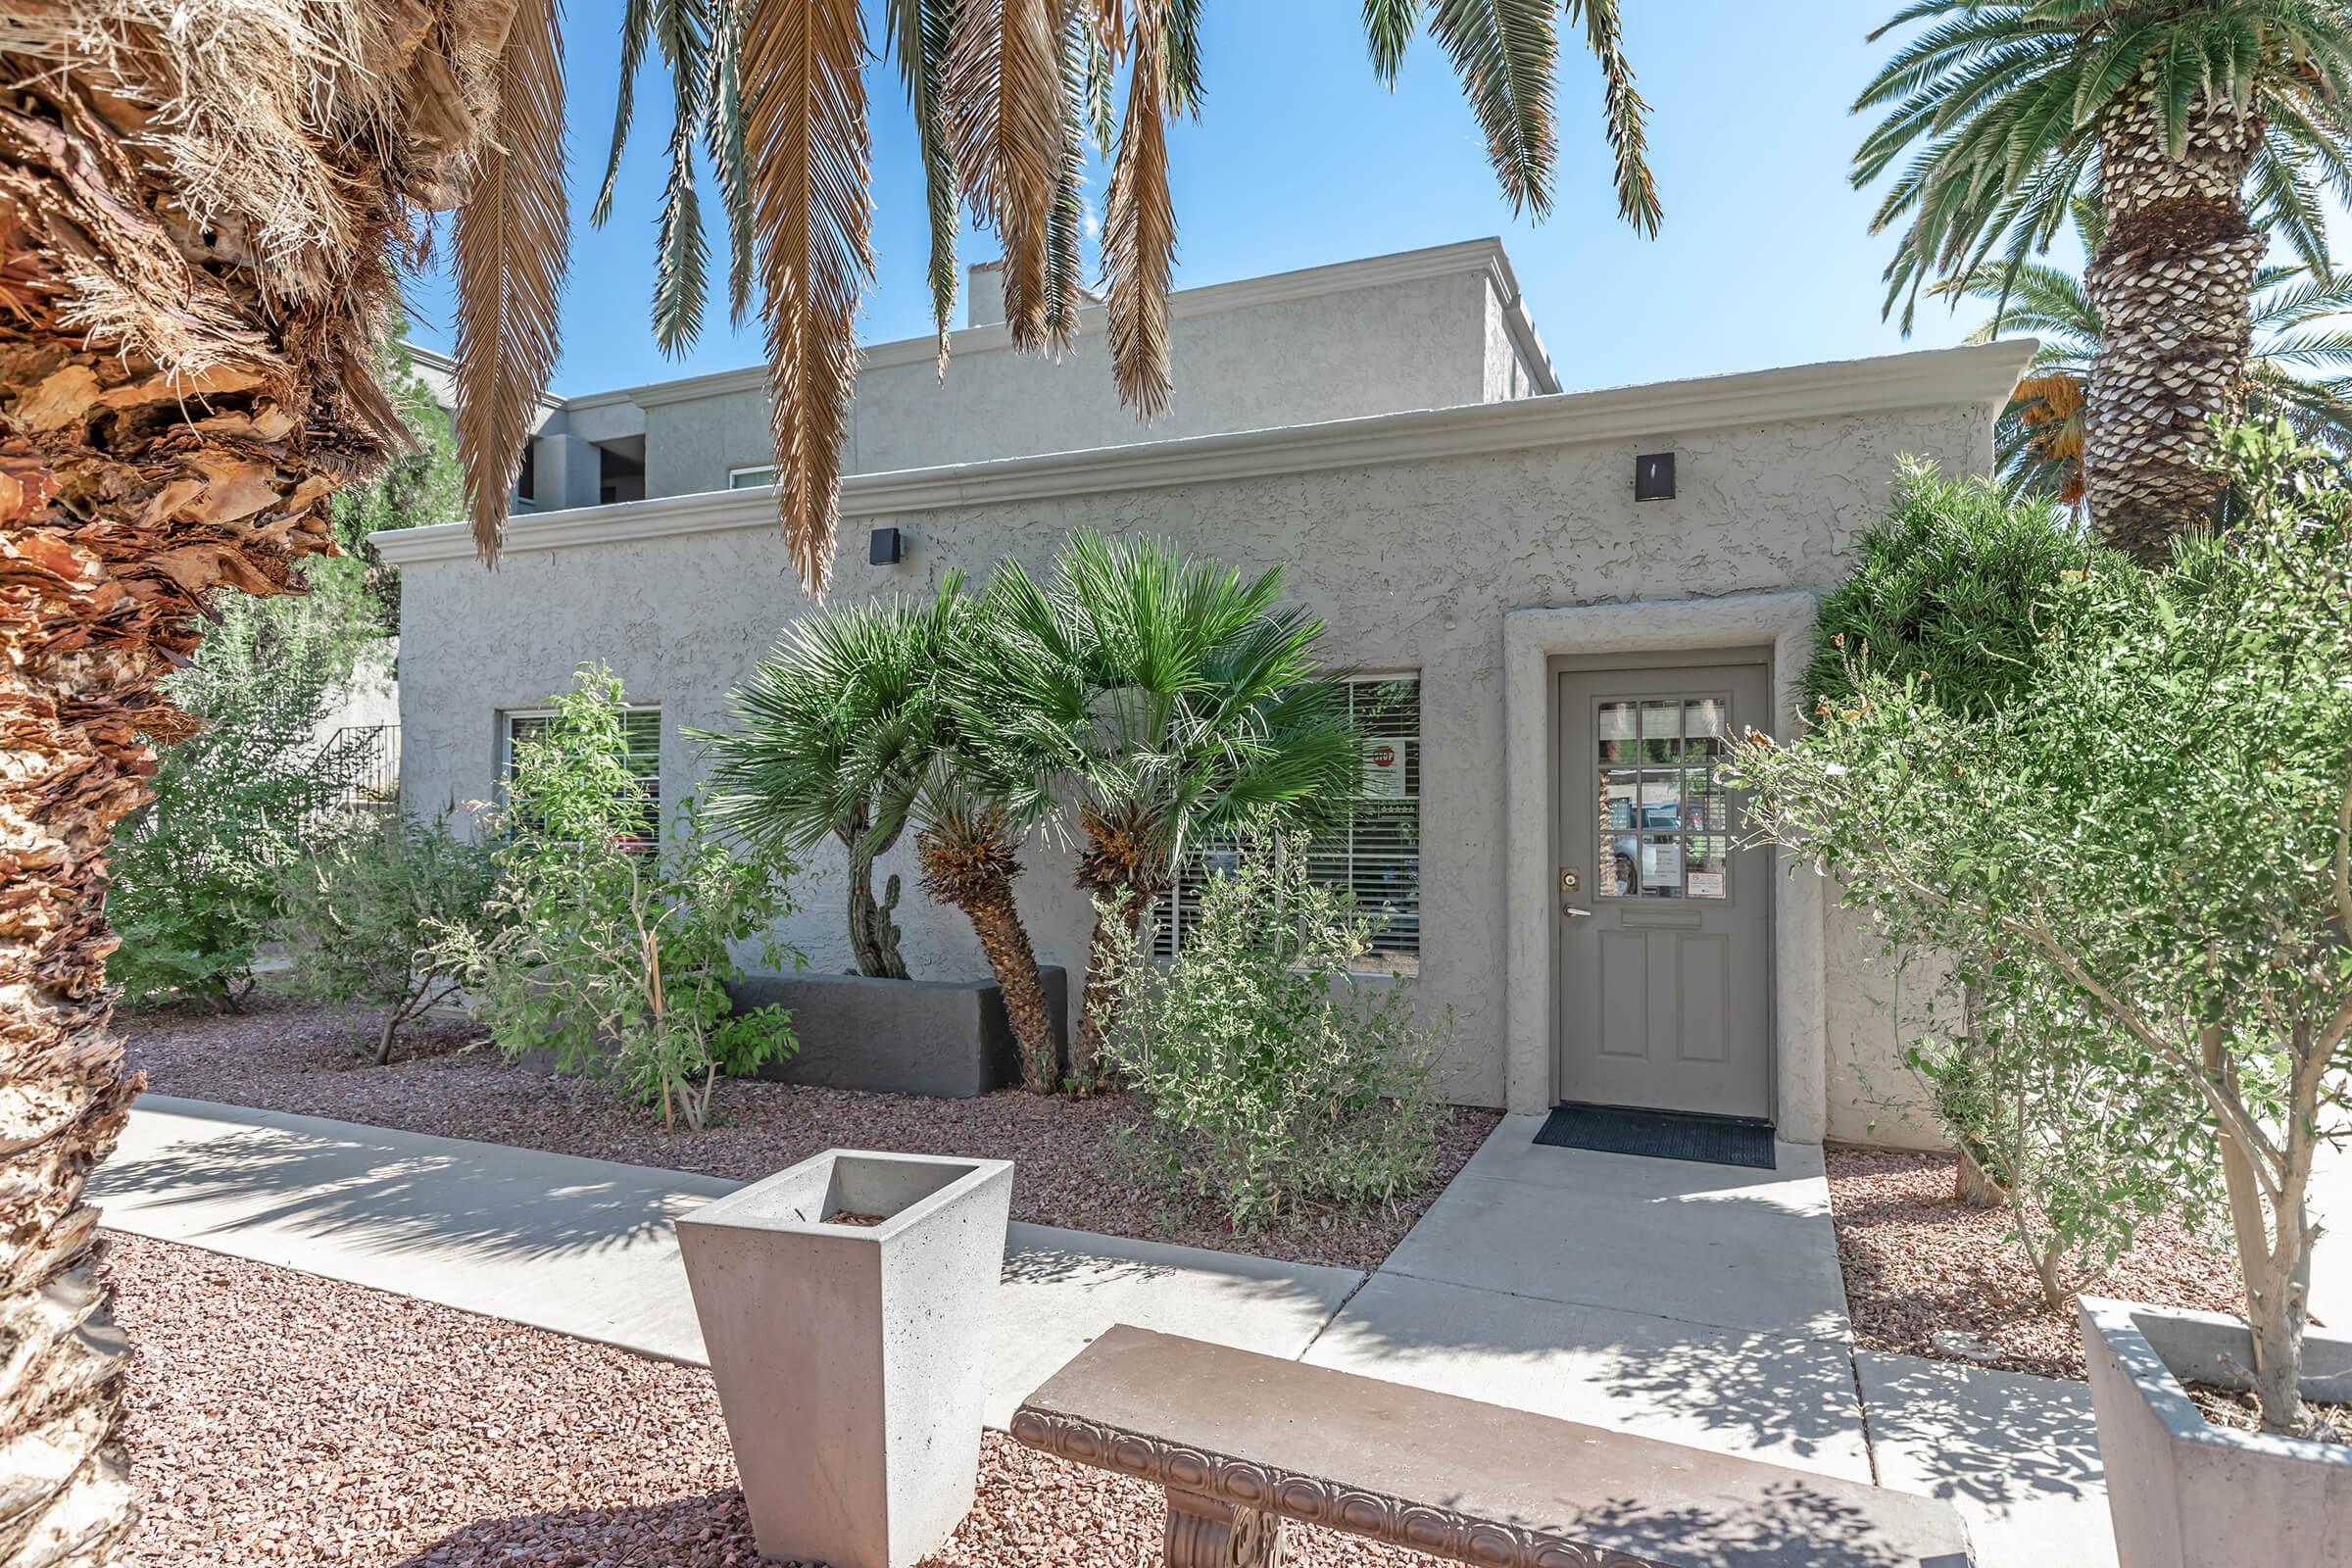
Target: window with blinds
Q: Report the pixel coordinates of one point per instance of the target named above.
(1376, 855)
(641, 737)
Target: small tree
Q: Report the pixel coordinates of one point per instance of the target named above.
(615, 944)
(364, 910)
(1949, 598)
(195, 876)
(1159, 701)
(2162, 817)
(1271, 1081)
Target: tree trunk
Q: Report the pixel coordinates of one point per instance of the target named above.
(1099, 1006)
(2171, 283)
(1971, 1184)
(389, 1035)
(997, 921)
(873, 935)
(165, 431)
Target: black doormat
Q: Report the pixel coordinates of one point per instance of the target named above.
(1661, 1135)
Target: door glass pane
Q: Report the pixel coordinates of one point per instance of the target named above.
(1661, 869)
(1664, 823)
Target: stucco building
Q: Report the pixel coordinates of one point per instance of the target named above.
(1558, 641)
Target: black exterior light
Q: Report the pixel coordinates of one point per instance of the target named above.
(1653, 476)
(884, 548)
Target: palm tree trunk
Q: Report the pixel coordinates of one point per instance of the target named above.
(2171, 283)
(127, 496)
(1099, 1005)
(968, 863)
(997, 921)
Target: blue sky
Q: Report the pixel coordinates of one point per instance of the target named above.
(1300, 158)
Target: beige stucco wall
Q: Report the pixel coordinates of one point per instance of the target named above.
(1413, 563)
(1426, 343)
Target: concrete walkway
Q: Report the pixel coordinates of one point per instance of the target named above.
(586, 1246)
(1698, 1303)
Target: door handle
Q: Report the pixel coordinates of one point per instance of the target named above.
(1575, 913)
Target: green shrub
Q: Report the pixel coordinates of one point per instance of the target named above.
(2160, 819)
(613, 949)
(365, 906)
(1272, 1081)
(195, 875)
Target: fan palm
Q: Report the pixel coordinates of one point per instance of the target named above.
(2202, 125)
(203, 211)
(1160, 703)
(843, 731)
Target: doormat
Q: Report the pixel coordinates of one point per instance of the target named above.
(1659, 1135)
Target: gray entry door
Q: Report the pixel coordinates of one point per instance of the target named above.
(1663, 927)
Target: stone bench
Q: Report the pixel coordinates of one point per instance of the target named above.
(1243, 1441)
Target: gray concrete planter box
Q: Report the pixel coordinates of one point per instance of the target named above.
(2184, 1494)
(851, 1359)
(948, 1038)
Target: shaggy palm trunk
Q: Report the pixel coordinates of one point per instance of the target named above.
(2171, 283)
(969, 866)
(127, 496)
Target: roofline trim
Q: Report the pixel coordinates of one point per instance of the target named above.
(1979, 375)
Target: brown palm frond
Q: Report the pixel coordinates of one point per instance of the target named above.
(804, 61)
(512, 238)
(1065, 219)
(1004, 92)
(1626, 111)
(1138, 231)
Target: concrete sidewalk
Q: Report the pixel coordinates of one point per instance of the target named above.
(586, 1246)
(1698, 1303)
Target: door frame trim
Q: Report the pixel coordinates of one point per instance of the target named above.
(1532, 639)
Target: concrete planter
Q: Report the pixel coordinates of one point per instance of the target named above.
(851, 1359)
(917, 1037)
(2184, 1494)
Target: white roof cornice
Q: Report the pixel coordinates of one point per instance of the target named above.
(1981, 375)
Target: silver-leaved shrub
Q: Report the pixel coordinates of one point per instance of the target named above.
(1276, 1081)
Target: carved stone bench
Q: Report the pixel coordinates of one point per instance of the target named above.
(1243, 1442)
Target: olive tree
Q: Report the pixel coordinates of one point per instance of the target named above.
(2162, 817)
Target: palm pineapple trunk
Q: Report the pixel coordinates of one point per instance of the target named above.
(969, 864)
(2171, 283)
(126, 497)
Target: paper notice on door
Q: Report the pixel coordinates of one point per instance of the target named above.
(1661, 864)
(1703, 885)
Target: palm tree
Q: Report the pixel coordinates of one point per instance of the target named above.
(2038, 439)
(203, 214)
(1006, 96)
(2202, 125)
(1162, 702)
(843, 731)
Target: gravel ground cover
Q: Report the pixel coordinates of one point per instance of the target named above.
(341, 1425)
(1918, 1264)
(287, 1057)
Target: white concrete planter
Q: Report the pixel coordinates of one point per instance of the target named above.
(852, 1360)
(2184, 1494)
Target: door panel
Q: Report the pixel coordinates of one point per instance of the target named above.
(1664, 939)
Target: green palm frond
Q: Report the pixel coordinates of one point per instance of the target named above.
(1504, 51)
(1990, 117)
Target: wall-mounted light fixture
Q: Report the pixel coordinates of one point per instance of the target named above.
(885, 548)
(1653, 476)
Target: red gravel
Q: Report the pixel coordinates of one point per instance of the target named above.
(285, 1057)
(1916, 1263)
(334, 1424)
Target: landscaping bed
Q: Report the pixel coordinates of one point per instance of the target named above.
(340, 1424)
(1918, 1264)
(287, 1057)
